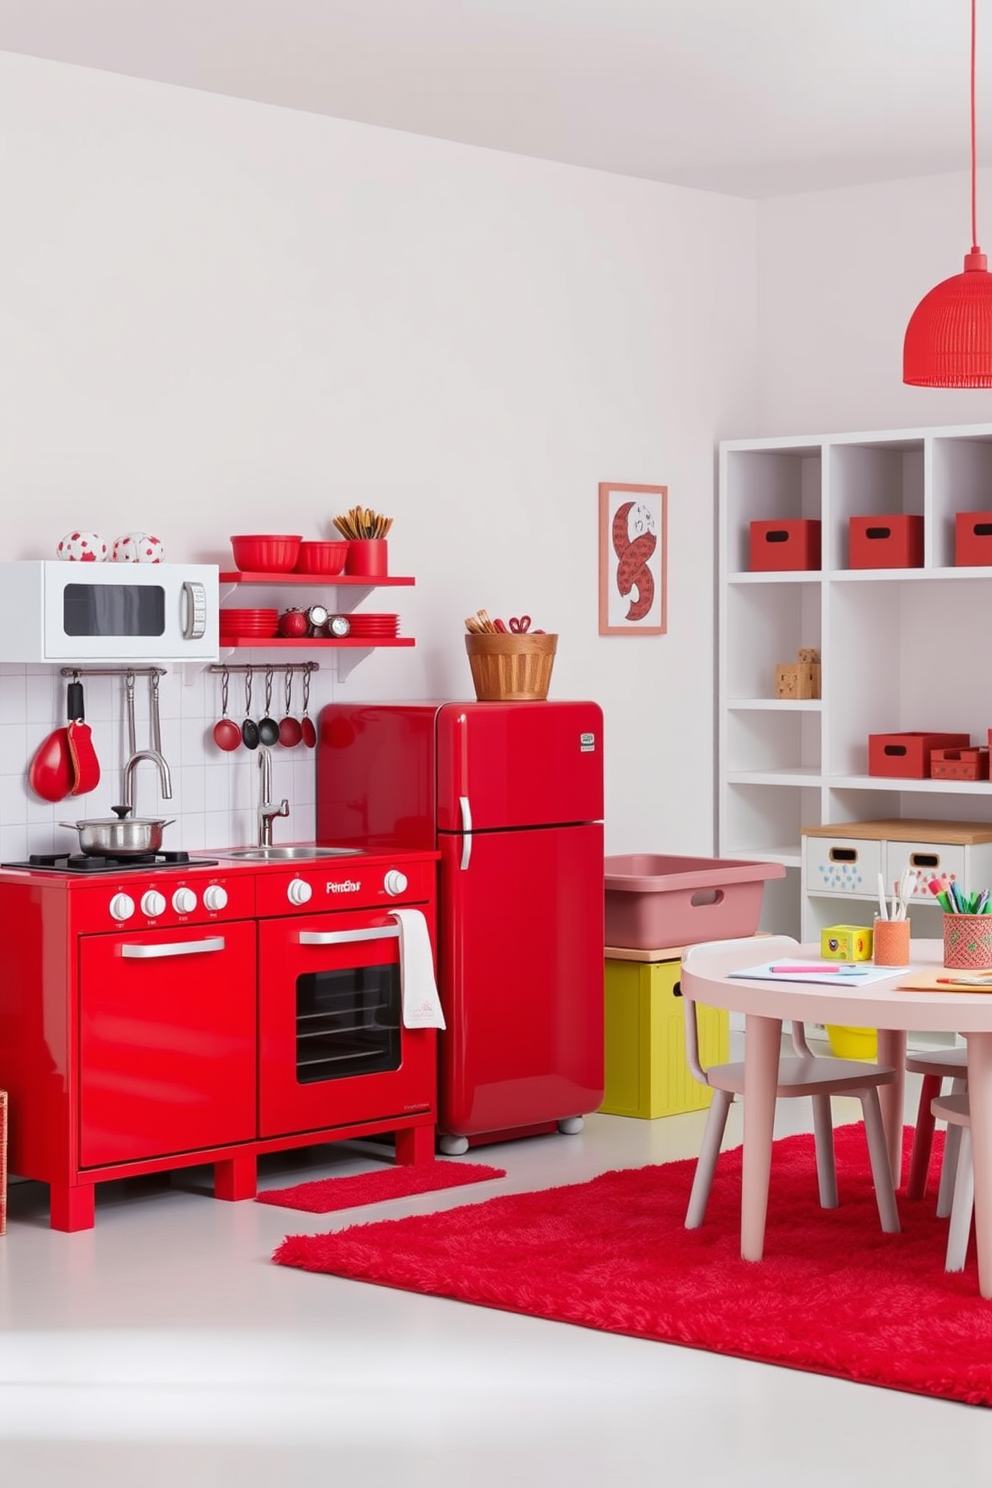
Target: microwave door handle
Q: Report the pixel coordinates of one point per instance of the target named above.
(193, 611)
(138, 952)
(466, 811)
(343, 937)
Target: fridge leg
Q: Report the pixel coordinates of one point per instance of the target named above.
(453, 1146)
(570, 1125)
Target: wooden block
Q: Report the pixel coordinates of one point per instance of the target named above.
(809, 653)
(800, 680)
(787, 680)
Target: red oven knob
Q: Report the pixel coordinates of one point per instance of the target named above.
(395, 882)
(215, 897)
(299, 891)
(184, 901)
(122, 906)
(152, 903)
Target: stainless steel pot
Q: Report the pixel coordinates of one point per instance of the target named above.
(121, 837)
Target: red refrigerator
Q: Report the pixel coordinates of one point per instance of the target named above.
(511, 795)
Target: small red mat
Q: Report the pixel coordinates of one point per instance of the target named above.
(327, 1194)
(834, 1294)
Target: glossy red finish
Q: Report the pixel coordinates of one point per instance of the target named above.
(521, 953)
(521, 896)
(285, 1103)
(519, 764)
(166, 1045)
(117, 1062)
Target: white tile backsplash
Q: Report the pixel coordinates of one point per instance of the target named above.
(215, 794)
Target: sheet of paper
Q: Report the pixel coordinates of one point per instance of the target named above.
(775, 971)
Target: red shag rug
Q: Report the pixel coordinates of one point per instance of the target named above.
(834, 1295)
(327, 1194)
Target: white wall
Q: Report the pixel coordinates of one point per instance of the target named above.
(222, 317)
(839, 275)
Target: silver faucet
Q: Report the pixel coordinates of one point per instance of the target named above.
(267, 808)
(163, 774)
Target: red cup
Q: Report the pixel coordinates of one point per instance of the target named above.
(367, 556)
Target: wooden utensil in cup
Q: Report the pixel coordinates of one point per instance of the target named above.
(290, 732)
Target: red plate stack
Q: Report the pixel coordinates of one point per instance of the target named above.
(375, 627)
(248, 624)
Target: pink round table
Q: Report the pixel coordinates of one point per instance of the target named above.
(880, 1005)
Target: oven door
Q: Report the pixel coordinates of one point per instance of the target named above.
(332, 1047)
(166, 1041)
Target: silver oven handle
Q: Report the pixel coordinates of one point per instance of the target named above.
(340, 937)
(194, 618)
(173, 948)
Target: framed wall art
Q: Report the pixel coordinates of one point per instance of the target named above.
(632, 559)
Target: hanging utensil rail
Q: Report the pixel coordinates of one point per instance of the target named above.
(68, 671)
(287, 666)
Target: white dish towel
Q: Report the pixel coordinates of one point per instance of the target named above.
(418, 989)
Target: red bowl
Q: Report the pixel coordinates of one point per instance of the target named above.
(264, 553)
(322, 557)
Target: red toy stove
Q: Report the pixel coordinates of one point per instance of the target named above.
(161, 1013)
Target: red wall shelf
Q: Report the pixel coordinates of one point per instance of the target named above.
(366, 581)
(266, 643)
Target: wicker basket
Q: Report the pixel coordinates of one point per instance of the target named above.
(511, 668)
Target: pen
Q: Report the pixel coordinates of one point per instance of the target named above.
(828, 970)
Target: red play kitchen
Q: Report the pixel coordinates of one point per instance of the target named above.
(160, 1009)
(170, 1011)
(157, 1015)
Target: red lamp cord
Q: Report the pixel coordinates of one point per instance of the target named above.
(974, 212)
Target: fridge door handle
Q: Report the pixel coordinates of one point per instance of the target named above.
(466, 811)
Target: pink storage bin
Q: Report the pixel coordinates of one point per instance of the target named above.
(653, 901)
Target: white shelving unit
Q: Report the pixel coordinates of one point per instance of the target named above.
(901, 649)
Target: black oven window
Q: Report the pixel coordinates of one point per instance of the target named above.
(113, 610)
(347, 1023)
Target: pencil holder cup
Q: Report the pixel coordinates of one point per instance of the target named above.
(890, 942)
(968, 942)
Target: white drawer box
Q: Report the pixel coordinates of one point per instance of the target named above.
(969, 864)
(842, 865)
(932, 858)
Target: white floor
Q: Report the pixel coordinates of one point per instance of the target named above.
(164, 1348)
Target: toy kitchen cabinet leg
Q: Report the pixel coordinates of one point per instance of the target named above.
(415, 1145)
(236, 1177)
(72, 1206)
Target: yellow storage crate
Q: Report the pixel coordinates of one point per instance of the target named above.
(646, 1072)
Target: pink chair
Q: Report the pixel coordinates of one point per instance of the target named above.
(955, 1111)
(801, 1073)
(936, 1067)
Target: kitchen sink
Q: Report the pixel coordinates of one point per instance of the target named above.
(290, 854)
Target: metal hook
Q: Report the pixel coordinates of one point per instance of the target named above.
(249, 673)
(268, 691)
(225, 688)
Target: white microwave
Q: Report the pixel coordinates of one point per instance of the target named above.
(139, 612)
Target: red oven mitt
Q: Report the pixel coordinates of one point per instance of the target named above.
(85, 765)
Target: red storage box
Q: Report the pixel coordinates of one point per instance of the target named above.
(785, 545)
(886, 542)
(655, 902)
(972, 538)
(908, 755)
(959, 764)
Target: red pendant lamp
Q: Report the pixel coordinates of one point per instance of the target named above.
(949, 337)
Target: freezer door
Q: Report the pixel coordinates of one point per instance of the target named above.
(518, 764)
(521, 979)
